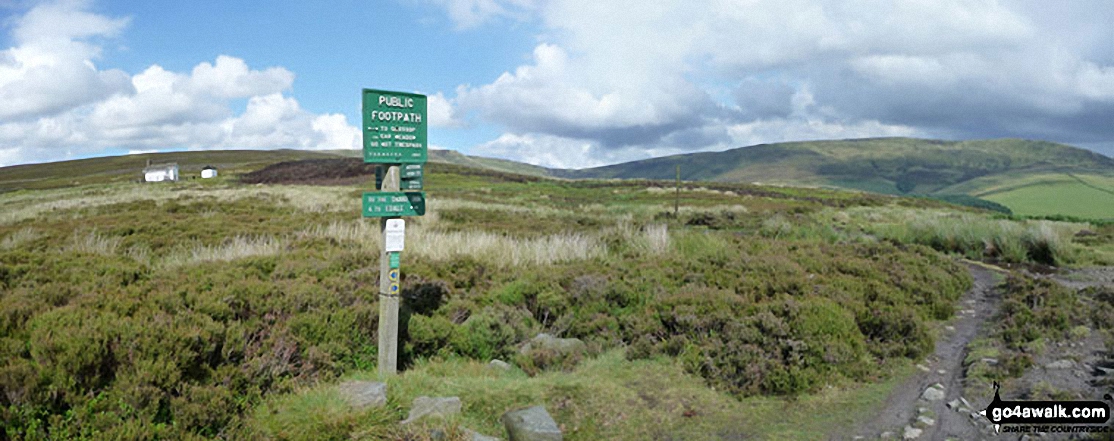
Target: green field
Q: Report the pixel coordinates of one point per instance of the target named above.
(218, 309)
(1083, 196)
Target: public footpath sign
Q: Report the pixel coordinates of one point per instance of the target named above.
(394, 134)
(395, 127)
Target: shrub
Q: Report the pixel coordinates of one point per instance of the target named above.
(492, 332)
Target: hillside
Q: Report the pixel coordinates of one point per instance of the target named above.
(1020, 174)
(112, 169)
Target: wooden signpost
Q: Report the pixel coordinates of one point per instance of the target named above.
(395, 132)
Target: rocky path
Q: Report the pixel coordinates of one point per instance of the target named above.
(928, 406)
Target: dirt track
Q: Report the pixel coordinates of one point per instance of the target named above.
(1068, 366)
(944, 367)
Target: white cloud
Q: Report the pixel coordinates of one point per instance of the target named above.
(621, 74)
(231, 78)
(441, 112)
(55, 103)
(51, 69)
(544, 150)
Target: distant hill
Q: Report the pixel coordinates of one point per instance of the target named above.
(1029, 177)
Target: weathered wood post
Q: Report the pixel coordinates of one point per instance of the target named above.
(388, 287)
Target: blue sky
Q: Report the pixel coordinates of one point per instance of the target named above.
(557, 83)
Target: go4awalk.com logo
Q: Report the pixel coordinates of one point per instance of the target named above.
(1048, 416)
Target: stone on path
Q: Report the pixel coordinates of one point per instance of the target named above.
(934, 393)
(911, 433)
(1060, 364)
(531, 424)
(924, 419)
(362, 394)
(440, 407)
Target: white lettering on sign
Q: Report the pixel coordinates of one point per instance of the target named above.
(406, 137)
(395, 235)
(395, 101)
(406, 117)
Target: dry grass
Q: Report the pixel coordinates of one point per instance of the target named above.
(657, 238)
(503, 251)
(92, 243)
(238, 247)
(494, 249)
(19, 237)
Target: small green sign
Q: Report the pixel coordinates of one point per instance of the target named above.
(412, 184)
(392, 261)
(410, 171)
(395, 127)
(393, 204)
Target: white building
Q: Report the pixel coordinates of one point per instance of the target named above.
(161, 172)
(208, 172)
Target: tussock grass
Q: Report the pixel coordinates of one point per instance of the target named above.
(238, 247)
(657, 238)
(19, 237)
(503, 251)
(975, 236)
(495, 249)
(92, 243)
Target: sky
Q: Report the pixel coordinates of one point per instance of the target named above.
(559, 83)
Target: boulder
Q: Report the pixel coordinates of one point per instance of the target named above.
(440, 407)
(362, 394)
(499, 364)
(548, 342)
(531, 424)
(934, 393)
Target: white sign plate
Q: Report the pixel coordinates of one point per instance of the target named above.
(395, 237)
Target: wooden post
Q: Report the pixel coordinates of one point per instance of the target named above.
(388, 301)
(677, 199)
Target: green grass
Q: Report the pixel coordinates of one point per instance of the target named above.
(606, 397)
(1065, 196)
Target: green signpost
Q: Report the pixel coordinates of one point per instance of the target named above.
(395, 131)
